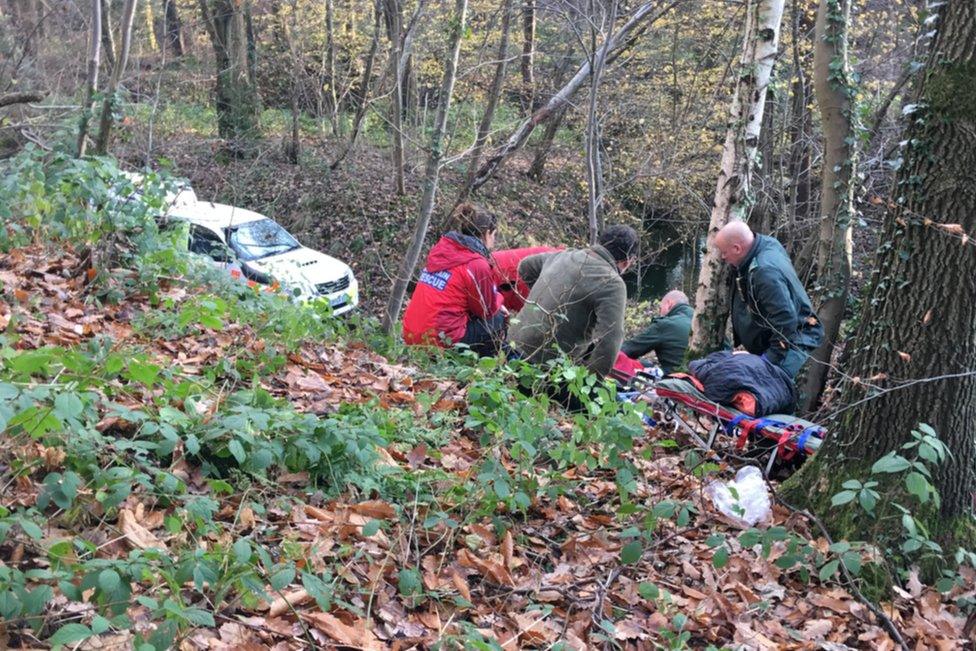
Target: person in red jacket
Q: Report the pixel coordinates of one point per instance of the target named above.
(512, 288)
(455, 300)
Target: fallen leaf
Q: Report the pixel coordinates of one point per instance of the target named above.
(374, 509)
(136, 534)
(358, 635)
(287, 601)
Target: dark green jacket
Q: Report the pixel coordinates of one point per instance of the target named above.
(576, 303)
(771, 311)
(667, 336)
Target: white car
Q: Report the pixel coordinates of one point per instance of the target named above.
(265, 252)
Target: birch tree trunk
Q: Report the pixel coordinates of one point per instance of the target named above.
(913, 356)
(594, 163)
(733, 195)
(484, 128)
(640, 19)
(362, 101)
(91, 84)
(528, 56)
(109, 104)
(835, 97)
(431, 174)
(108, 38)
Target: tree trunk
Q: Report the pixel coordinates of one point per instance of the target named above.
(149, 24)
(173, 28)
(111, 101)
(108, 37)
(236, 98)
(330, 63)
(91, 84)
(734, 195)
(835, 96)
(914, 354)
(293, 147)
(800, 129)
(639, 20)
(484, 128)
(594, 163)
(528, 56)
(432, 171)
(394, 26)
(362, 100)
(538, 167)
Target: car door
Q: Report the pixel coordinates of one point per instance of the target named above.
(204, 241)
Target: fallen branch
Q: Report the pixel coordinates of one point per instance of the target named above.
(9, 99)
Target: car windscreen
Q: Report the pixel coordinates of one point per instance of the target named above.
(259, 239)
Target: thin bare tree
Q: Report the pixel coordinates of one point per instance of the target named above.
(432, 172)
(110, 101)
(91, 83)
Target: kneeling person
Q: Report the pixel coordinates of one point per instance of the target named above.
(576, 302)
(667, 335)
(455, 301)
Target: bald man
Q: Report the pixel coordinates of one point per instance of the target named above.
(771, 313)
(667, 335)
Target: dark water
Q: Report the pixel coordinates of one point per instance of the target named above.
(669, 261)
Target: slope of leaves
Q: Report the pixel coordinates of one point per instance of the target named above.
(205, 466)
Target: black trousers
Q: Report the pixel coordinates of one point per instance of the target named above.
(485, 336)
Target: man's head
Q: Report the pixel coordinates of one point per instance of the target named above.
(671, 300)
(621, 242)
(734, 241)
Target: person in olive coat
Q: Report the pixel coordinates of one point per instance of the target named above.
(771, 313)
(667, 335)
(576, 302)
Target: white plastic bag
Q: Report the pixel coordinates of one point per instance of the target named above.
(752, 505)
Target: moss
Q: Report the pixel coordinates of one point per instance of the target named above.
(951, 92)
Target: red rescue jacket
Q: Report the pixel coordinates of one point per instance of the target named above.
(512, 288)
(455, 285)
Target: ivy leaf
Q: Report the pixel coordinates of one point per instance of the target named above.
(109, 581)
(852, 561)
(409, 583)
(68, 405)
(842, 497)
(237, 450)
(70, 634)
(890, 463)
(829, 569)
(282, 577)
(631, 552)
(720, 558)
(916, 484)
(370, 528)
(649, 591)
(868, 500)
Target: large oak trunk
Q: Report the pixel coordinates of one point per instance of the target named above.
(914, 354)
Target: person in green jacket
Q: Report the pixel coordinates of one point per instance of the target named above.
(667, 335)
(771, 313)
(576, 302)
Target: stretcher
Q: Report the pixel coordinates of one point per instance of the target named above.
(787, 437)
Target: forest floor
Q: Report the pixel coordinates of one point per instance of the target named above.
(231, 547)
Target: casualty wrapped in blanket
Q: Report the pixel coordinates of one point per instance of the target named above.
(726, 375)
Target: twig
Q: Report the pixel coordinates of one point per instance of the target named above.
(886, 621)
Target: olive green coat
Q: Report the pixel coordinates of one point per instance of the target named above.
(576, 304)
